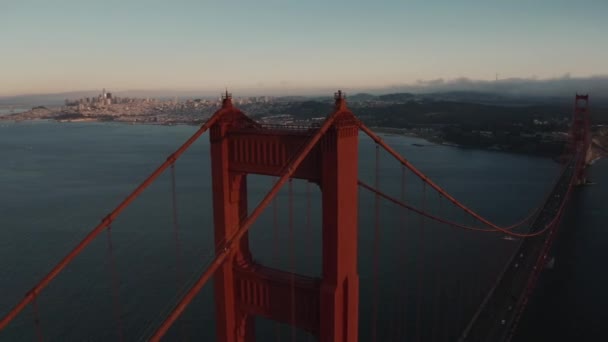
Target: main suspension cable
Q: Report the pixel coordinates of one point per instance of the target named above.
(437, 188)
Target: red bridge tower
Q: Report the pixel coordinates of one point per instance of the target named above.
(326, 307)
(581, 132)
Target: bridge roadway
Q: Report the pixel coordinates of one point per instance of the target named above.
(500, 310)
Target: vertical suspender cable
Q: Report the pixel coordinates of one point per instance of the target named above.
(37, 320)
(275, 226)
(462, 284)
(421, 250)
(437, 295)
(309, 245)
(376, 249)
(445, 319)
(308, 218)
(460, 304)
(292, 263)
(178, 248)
(402, 328)
(115, 285)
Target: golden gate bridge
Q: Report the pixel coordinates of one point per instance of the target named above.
(328, 307)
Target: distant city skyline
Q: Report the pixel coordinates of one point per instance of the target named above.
(266, 47)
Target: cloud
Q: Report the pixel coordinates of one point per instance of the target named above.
(431, 83)
(565, 85)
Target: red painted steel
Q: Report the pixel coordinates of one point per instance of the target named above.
(37, 321)
(176, 238)
(104, 224)
(376, 250)
(258, 151)
(437, 188)
(436, 307)
(403, 321)
(115, 282)
(327, 156)
(340, 203)
(339, 285)
(276, 250)
(436, 218)
(177, 242)
(229, 202)
(538, 268)
(261, 291)
(578, 147)
(292, 265)
(420, 265)
(229, 208)
(542, 258)
(581, 132)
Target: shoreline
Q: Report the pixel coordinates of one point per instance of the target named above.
(599, 152)
(436, 141)
(440, 142)
(90, 120)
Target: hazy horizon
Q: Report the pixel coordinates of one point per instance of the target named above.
(564, 87)
(282, 46)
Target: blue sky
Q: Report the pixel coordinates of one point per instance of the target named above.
(68, 45)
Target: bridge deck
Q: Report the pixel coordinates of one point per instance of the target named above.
(498, 315)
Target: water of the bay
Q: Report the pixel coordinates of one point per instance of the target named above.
(569, 303)
(6, 110)
(57, 181)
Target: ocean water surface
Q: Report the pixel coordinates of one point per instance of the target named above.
(58, 180)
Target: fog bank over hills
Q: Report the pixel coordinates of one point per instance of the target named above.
(515, 87)
(501, 91)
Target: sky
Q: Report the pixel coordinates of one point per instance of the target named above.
(269, 46)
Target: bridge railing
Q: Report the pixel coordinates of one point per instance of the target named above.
(472, 221)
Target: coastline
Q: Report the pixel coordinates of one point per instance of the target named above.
(89, 120)
(433, 139)
(597, 152)
(442, 142)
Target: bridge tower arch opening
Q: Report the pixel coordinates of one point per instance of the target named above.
(326, 307)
